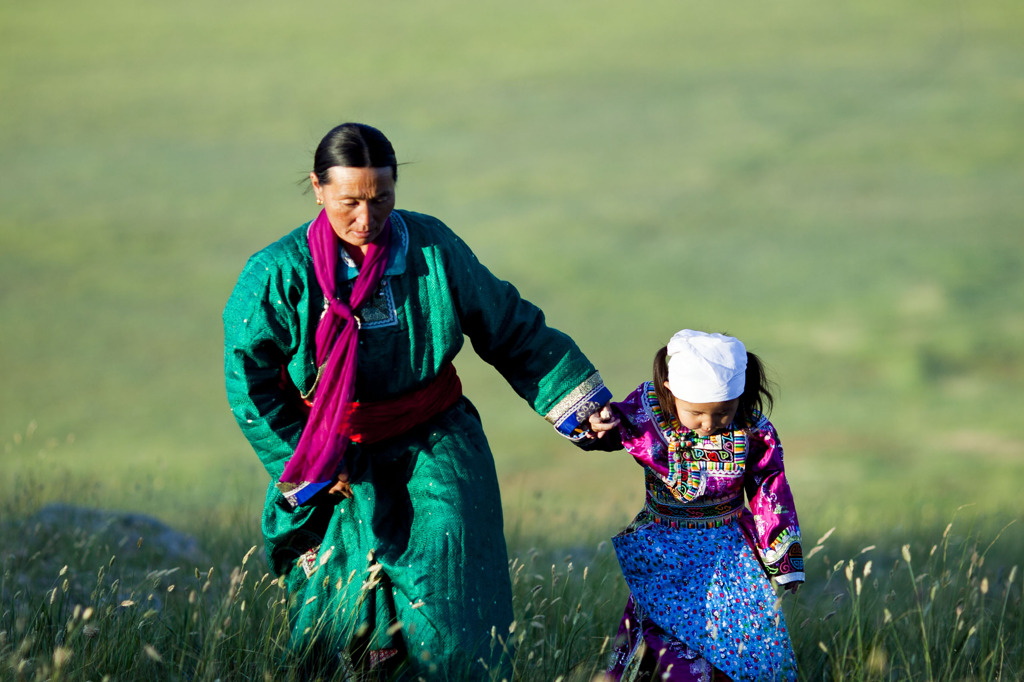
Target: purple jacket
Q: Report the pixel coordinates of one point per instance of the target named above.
(743, 461)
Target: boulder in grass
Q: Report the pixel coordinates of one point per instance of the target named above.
(81, 551)
(126, 534)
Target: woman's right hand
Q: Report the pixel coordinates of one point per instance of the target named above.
(341, 485)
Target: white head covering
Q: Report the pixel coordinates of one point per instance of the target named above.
(706, 368)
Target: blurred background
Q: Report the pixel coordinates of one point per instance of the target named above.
(839, 185)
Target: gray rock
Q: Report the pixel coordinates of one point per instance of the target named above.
(130, 534)
(87, 553)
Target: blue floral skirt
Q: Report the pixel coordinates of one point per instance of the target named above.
(705, 588)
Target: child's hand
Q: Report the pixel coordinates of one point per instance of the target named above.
(601, 422)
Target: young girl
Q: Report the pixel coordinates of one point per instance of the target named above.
(697, 561)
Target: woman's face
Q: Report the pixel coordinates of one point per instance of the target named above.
(358, 202)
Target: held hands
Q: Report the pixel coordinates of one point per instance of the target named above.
(601, 422)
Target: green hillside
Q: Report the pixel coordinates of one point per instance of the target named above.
(838, 185)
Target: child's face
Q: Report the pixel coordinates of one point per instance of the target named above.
(707, 419)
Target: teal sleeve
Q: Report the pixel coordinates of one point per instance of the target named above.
(260, 336)
(542, 364)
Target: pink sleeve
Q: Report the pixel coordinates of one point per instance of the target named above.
(640, 436)
(775, 526)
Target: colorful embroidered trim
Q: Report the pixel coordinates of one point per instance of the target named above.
(790, 565)
(379, 656)
(308, 561)
(690, 455)
(570, 415)
(781, 545)
(665, 510)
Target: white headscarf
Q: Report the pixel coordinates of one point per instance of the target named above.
(706, 368)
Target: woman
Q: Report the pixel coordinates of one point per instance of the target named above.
(339, 340)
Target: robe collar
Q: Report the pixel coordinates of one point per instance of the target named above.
(396, 253)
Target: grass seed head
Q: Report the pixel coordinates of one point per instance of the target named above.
(878, 661)
(152, 653)
(61, 655)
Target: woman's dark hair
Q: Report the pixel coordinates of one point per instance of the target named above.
(757, 395)
(354, 145)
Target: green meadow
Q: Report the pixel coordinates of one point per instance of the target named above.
(840, 185)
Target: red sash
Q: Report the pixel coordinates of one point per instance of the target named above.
(376, 421)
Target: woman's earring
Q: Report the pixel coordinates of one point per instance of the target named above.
(319, 201)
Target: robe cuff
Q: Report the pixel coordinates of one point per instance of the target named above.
(570, 415)
(790, 578)
(784, 561)
(298, 494)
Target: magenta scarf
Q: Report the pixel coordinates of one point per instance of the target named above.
(322, 445)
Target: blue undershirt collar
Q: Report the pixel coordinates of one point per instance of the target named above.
(396, 252)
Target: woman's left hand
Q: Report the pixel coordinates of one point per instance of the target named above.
(341, 485)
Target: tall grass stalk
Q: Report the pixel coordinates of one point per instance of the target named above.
(926, 648)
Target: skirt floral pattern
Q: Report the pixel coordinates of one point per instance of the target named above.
(644, 652)
(704, 587)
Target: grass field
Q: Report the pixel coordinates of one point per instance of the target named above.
(838, 185)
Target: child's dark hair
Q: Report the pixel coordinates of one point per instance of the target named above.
(757, 395)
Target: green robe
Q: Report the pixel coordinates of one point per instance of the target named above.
(421, 542)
